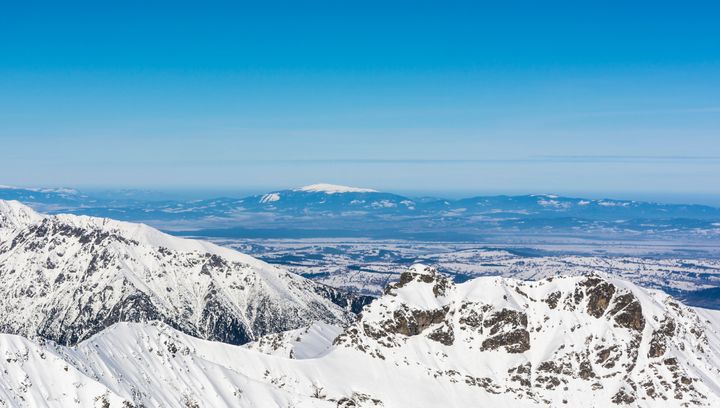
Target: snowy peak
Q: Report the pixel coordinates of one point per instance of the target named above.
(320, 200)
(69, 277)
(15, 216)
(548, 341)
(420, 269)
(566, 341)
(333, 189)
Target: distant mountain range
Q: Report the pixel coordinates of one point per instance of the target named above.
(325, 210)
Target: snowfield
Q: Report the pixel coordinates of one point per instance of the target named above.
(575, 341)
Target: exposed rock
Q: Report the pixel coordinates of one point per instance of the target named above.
(660, 336)
(628, 312)
(443, 334)
(413, 322)
(599, 294)
(552, 299)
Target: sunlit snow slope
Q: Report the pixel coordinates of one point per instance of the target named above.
(68, 277)
(576, 341)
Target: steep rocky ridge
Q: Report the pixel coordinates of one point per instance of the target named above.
(68, 277)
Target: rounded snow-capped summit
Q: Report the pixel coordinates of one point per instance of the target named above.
(331, 200)
(333, 189)
(320, 188)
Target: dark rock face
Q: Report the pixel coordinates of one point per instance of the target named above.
(521, 374)
(552, 299)
(440, 283)
(413, 322)
(599, 294)
(443, 334)
(219, 324)
(516, 341)
(358, 400)
(470, 317)
(623, 397)
(349, 301)
(658, 343)
(586, 371)
(508, 328)
(498, 320)
(628, 312)
(135, 307)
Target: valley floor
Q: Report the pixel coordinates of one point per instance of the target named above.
(367, 266)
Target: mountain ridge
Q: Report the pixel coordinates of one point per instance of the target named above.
(69, 277)
(568, 341)
(332, 210)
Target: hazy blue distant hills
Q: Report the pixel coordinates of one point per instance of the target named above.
(330, 210)
(44, 197)
(554, 206)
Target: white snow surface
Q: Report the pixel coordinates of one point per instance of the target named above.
(393, 356)
(13, 216)
(309, 342)
(334, 189)
(67, 277)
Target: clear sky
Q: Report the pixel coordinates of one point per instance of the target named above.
(577, 97)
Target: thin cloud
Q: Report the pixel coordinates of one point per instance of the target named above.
(629, 158)
(671, 111)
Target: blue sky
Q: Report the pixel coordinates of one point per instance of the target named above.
(568, 97)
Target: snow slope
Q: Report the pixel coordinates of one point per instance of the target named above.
(35, 375)
(585, 341)
(568, 341)
(68, 277)
(13, 216)
(334, 189)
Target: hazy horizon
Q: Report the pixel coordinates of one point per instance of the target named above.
(197, 193)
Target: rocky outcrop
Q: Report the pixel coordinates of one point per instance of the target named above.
(590, 329)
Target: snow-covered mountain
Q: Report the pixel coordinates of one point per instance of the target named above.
(15, 216)
(68, 277)
(563, 340)
(567, 341)
(334, 189)
(329, 199)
